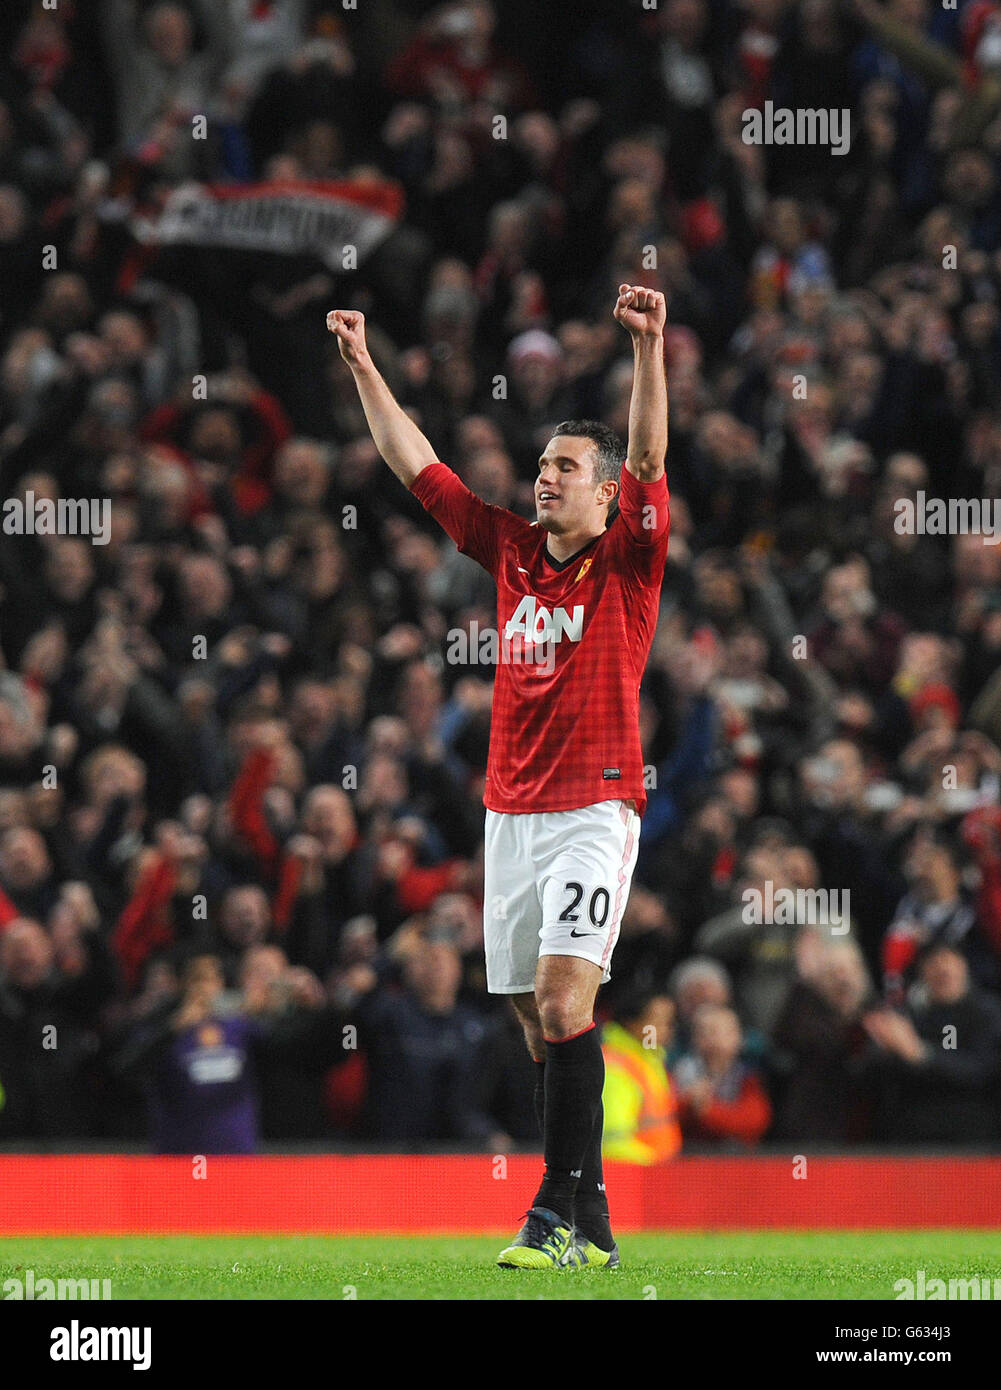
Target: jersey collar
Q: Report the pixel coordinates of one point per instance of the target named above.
(560, 565)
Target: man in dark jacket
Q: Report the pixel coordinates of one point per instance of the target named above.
(51, 991)
(937, 1066)
(423, 1050)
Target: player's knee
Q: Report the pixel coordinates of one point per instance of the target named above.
(560, 1015)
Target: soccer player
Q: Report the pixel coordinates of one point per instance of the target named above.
(577, 600)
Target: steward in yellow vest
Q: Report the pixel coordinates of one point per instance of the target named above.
(641, 1124)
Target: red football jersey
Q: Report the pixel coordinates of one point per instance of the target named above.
(573, 640)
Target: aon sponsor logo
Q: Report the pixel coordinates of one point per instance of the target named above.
(533, 622)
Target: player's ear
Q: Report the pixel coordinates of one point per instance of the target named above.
(607, 492)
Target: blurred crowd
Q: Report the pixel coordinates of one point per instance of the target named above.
(240, 776)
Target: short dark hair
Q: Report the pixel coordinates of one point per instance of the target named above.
(609, 450)
(632, 1000)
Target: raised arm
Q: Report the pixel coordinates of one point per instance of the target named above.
(643, 314)
(397, 438)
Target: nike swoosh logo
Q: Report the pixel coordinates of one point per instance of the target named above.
(522, 571)
(581, 933)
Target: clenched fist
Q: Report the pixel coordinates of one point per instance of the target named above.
(643, 312)
(349, 327)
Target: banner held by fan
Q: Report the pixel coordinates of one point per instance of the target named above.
(289, 218)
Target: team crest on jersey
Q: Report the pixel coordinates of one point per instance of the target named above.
(584, 568)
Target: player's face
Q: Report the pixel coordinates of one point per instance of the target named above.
(567, 499)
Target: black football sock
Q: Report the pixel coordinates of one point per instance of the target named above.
(591, 1204)
(574, 1073)
(540, 1096)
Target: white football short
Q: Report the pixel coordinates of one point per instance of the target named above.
(555, 884)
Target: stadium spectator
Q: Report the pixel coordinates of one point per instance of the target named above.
(757, 942)
(422, 1047)
(196, 1053)
(721, 1101)
(220, 1066)
(697, 981)
(641, 1123)
(936, 909)
(53, 986)
(936, 1066)
(301, 1041)
(818, 1041)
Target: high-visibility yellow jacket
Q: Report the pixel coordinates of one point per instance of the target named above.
(641, 1124)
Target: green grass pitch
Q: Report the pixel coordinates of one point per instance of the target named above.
(718, 1265)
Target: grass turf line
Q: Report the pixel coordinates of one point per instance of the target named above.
(719, 1265)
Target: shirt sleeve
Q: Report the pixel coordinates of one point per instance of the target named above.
(644, 524)
(477, 527)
